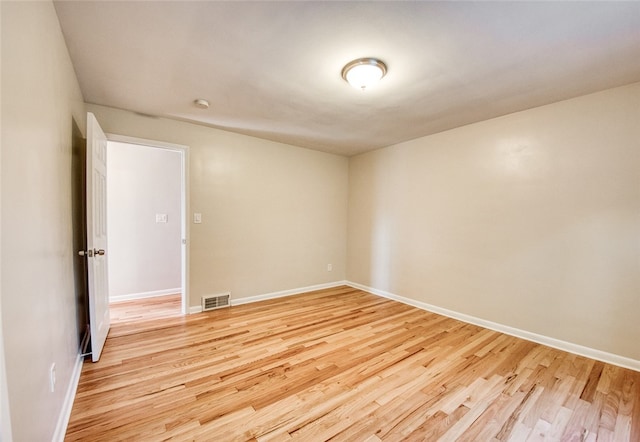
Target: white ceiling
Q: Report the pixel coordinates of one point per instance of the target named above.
(272, 69)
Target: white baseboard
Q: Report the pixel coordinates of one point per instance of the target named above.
(283, 293)
(274, 295)
(67, 405)
(570, 347)
(142, 295)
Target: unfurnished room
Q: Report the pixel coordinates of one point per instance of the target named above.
(319, 220)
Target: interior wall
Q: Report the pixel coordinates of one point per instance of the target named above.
(144, 255)
(273, 215)
(531, 220)
(40, 100)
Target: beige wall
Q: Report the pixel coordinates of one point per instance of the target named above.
(144, 256)
(531, 220)
(40, 96)
(273, 215)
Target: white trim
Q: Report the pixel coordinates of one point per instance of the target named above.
(570, 347)
(284, 293)
(65, 412)
(143, 295)
(144, 142)
(274, 295)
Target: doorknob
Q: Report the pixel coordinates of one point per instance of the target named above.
(90, 253)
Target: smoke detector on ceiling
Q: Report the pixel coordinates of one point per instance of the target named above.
(201, 103)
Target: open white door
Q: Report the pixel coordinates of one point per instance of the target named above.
(99, 318)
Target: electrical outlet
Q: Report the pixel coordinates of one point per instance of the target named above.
(52, 377)
(161, 217)
(329, 267)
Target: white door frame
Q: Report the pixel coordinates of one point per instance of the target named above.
(184, 201)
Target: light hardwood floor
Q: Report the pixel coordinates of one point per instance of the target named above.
(145, 309)
(342, 364)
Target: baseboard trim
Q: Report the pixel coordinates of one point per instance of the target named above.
(570, 347)
(142, 295)
(67, 405)
(274, 295)
(284, 293)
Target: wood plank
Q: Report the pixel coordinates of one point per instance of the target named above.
(341, 364)
(158, 307)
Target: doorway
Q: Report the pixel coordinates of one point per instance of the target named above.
(147, 229)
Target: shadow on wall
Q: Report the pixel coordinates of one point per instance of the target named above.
(79, 228)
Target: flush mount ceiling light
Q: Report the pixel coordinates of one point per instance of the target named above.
(364, 72)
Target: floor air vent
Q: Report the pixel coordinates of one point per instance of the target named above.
(215, 302)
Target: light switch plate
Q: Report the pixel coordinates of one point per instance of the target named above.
(197, 218)
(161, 217)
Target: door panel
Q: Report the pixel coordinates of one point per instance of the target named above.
(99, 318)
